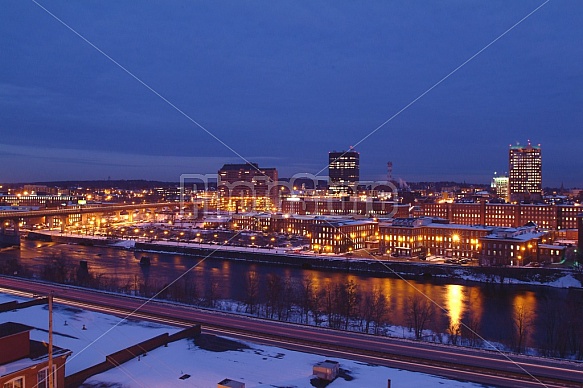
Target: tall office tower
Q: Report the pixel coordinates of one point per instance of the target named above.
(500, 186)
(343, 171)
(525, 166)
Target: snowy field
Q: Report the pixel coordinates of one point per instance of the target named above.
(207, 362)
(256, 366)
(72, 336)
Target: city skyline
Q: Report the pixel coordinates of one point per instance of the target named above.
(283, 85)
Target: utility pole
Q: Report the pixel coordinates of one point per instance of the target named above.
(50, 376)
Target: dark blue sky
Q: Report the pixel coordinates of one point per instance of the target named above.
(284, 83)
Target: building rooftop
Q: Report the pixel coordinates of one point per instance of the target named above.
(348, 223)
(10, 328)
(551, 246)
(38, 351)
(522, 147)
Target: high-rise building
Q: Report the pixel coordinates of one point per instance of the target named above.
(525, 167)
(500, 186)
(343, 170)
(247, 187)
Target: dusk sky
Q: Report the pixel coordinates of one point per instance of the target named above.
(283, 83)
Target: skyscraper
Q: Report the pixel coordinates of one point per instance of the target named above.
(343, 170)
(525, 166)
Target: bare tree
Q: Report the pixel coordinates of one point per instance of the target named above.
(273, 295)
(331, 298)
(381, 311)
(57, 270)
(286, 302)
(317, 306)
(522, 321)
(574, 326)
(374, 310)
(551, 326)
(419, 313)
(211, 295)
(470, 330)
(454, 331)
(348, 302)
(306, 297)
(252, 293)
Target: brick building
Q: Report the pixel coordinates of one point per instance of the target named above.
(514, 246)
(418, 237)
(342, 236)
(505, 215)
(247, 187)
(24, 362)
(346, 206)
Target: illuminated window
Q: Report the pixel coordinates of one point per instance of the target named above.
(15, 383)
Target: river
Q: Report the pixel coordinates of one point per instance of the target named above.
(491, 306)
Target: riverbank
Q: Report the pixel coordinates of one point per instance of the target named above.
(552, 277)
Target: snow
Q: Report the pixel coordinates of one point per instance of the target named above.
(256, 365)
(127, 244)
(565, 282)
(104, 333)
(259, 366)
(562, 282)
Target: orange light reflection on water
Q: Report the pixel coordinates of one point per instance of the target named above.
(454, 303)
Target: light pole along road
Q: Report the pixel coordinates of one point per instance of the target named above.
(481, 366)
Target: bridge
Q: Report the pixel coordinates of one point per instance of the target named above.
(10, 220)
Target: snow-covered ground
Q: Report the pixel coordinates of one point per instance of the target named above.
(101, 333)
(255, 365)
(562, 282)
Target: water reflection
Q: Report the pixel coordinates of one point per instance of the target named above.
(489, 308)
(454, 303)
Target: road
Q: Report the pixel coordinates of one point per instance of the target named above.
(481, 366)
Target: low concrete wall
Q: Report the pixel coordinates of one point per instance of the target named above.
(14, 305)
(8, 306)
(127, 354)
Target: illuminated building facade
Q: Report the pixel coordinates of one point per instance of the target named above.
(343, 171)
(301, 225)
(567, 216)
(505, 214)
(511, 246)
(419, 237)
(501, 186)
(342, 236)
(580, 236)
(244, 187)
(346, 206)
(525, 167)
